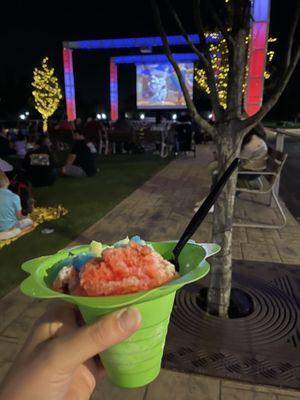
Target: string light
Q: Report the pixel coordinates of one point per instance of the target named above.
(47, 93)
(220, 65)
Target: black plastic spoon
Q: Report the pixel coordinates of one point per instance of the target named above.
(203, 211)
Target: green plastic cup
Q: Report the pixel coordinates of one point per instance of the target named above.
(136, 361)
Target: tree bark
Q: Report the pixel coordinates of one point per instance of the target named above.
(45, 124)
(237, 60)
(228, 145)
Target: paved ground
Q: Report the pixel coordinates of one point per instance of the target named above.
(159, 210)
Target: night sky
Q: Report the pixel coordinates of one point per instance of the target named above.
(31, 30)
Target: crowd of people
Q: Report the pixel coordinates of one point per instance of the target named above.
(28, 159)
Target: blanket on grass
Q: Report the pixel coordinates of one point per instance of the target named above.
(39, 215)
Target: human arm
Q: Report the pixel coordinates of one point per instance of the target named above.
(246, 153)
(70, 159)
(59, 360)
(254, 154)
(17, 206)
(73, 154)
(19, 215)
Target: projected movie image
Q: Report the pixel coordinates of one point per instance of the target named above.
(158, 85)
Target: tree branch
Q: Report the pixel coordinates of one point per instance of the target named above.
(190, 105)
(212, 84)
(276, 95)
(221, 26)
(292, 36)
(184, 33)
(238, 59)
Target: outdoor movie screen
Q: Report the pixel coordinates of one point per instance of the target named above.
(158, 86)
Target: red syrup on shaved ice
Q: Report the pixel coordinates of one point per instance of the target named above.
(129, 266)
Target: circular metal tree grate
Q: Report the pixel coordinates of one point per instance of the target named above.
(263, 347)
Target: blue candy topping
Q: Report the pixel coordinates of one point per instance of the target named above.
(81, 259)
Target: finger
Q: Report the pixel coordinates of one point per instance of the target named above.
(82, 384)
(59, 319)
(84, 379)
(95, 367)
(69, 351)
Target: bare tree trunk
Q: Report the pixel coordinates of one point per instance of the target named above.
(220, 284)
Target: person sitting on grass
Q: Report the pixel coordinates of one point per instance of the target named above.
(39, 164)
(5, 145)
(80, 162)
(12, 222)
(19, 185)
(20, 145)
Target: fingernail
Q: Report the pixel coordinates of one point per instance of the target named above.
(129, 319)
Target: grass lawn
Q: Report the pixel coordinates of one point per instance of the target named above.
(86, 199)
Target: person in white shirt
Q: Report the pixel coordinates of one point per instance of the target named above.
(20, 145)
(5, 166)
(254, 153)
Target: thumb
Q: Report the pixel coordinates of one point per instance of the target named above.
(72, 350)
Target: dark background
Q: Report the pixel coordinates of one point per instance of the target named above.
(31, 30)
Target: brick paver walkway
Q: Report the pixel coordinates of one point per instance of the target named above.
(158, 210)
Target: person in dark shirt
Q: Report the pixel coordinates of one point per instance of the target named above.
(123, 124)
(93, 127)
(39, 165)
(5, 148)
(80, 162)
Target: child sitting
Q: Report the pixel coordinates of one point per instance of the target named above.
(12, 222)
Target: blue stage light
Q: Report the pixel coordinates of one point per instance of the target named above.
(155, 58)
(152, 41)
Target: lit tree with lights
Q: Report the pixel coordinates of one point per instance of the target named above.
(231, 124)
(220, 65)
(47, 92)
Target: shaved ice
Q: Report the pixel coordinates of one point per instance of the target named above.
(129, 266)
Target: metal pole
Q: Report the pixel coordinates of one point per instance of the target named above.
(69, 84)
(114, 102)
(280, 140)
(279, 147)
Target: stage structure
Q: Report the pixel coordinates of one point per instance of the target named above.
(256, 59)
(257, 55)
(145, 44)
